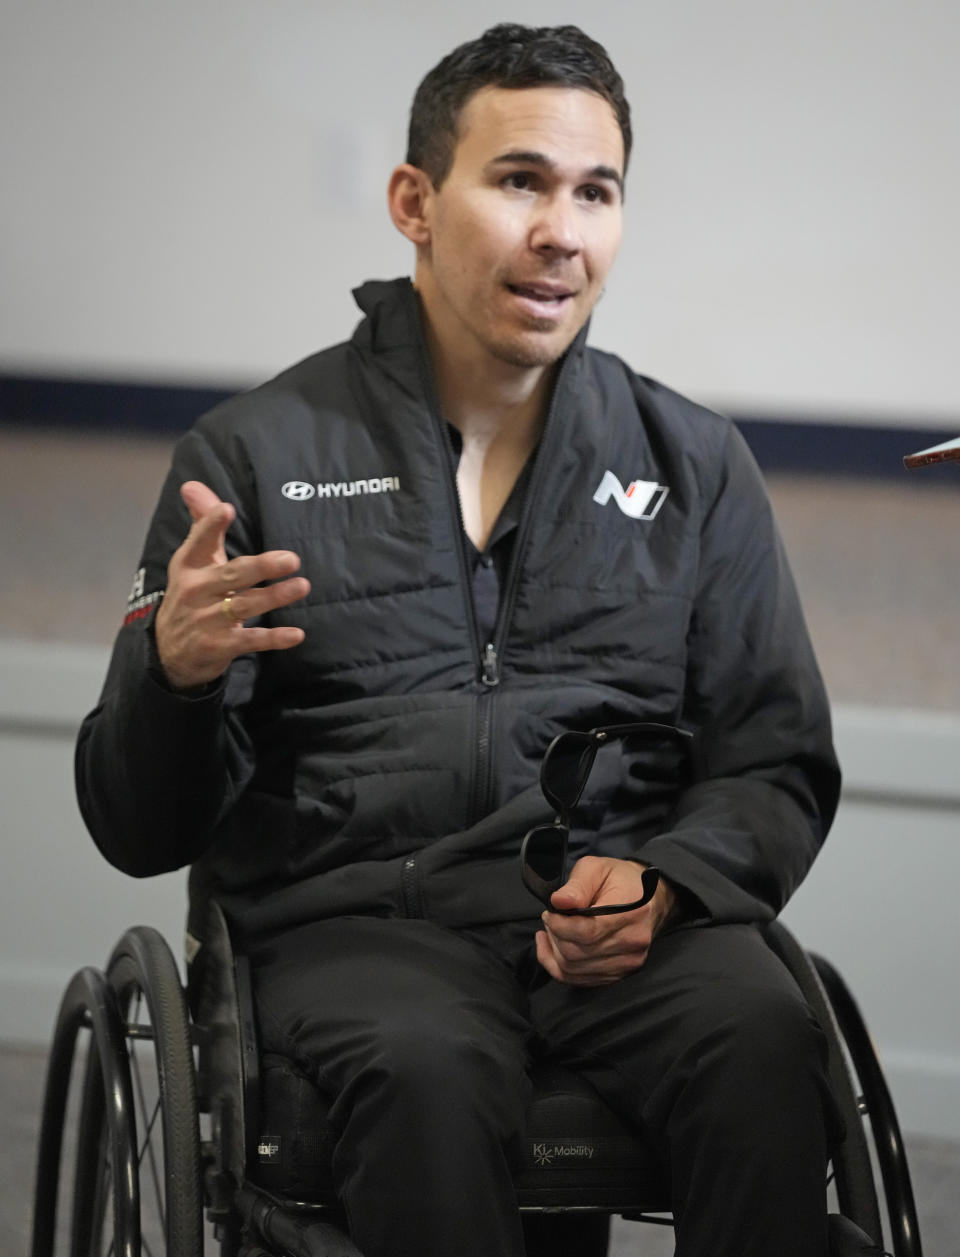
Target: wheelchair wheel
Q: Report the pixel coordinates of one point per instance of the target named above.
(144, 978)
(876, 1104)
(853, 1177)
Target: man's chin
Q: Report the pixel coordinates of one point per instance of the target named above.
(541, 346)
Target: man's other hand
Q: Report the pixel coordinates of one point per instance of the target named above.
(595, 951)
(198, 633)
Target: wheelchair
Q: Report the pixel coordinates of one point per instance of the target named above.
(179, 1117)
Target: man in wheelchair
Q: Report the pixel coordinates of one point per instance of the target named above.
(375, 591)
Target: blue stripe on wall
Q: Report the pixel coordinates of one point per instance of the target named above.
(45, 402)
(813, 445)
(818, 446)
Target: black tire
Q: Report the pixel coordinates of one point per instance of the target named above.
(89, 1002)
(852, 1168)
(877, 1104)
(145, 980)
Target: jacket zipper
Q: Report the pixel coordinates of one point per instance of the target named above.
(489, 656)
(492, 652)
(410, 888)
(487, 667)
(490, 679)
(490, 666)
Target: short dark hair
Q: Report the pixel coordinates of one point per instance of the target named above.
(513, 56)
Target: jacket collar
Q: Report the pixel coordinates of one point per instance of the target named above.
(392, 310)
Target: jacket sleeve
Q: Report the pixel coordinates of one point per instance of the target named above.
(156, 770)
(765, 782)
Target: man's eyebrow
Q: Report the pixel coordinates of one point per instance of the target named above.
(530, 157)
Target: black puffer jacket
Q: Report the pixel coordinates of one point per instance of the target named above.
(389, 764)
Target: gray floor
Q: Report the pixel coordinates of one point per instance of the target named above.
(934, 1166)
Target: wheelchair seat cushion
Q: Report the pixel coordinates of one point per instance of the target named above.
(574, 1147)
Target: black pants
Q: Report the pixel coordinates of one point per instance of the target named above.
(423, 1037)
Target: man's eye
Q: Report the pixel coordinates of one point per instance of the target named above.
(594, 194)
(518, 179)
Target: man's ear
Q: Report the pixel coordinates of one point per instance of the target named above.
(409, 194)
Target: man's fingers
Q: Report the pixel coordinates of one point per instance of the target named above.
(585, 885)
(585, 938)
(595, 972)
(205, 542)
(249, 570)
(584, 931)
(586, 967)
(196, 645)
(256, 640)
(212, 580)
(251, 603)
(578, 891)
(199, 499)
(574, 941)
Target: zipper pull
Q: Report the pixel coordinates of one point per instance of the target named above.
(489, 669)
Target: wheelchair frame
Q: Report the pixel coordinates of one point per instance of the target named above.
(203, 1043)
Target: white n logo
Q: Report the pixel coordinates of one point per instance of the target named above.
(640, 500)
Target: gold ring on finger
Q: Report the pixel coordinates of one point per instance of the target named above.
(226, 606)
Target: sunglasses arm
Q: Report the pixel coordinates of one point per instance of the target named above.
(650, 877)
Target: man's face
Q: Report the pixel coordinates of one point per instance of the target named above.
(525, 227)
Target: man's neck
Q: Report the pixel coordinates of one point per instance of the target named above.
(488, 409)
(499, 411)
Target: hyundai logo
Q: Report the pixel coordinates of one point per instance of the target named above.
(298, 490)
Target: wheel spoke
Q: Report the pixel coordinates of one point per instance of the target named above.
(149, 1118)
(148, 1152)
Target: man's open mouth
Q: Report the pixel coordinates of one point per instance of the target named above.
(536, 292)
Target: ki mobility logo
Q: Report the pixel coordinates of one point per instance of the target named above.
(641, 499)
(546, 1154)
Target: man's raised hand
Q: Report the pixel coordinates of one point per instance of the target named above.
(199, 633)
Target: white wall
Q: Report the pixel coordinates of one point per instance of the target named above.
(880, 903)
(61, 905)
(188, 190)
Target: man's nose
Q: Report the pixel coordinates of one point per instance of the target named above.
(556, 228)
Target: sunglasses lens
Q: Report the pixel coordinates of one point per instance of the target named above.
(566, 767)
(543, 859)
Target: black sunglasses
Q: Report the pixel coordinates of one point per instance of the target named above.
(564, 771)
